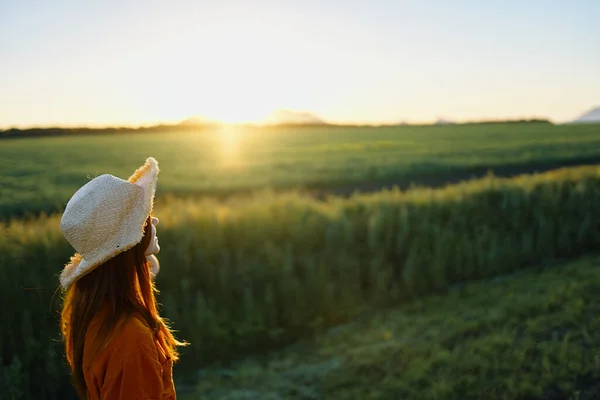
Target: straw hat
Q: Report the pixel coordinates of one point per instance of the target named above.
(105, 217)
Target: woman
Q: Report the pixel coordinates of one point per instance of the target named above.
(117, 345)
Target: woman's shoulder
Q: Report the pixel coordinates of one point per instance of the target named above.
(130, 335)
(133, 335)
(134, 325)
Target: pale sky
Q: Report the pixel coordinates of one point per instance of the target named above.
(132, 62)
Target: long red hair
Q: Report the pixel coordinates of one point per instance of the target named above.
(122, 287)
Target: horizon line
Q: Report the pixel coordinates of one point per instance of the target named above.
(181, 124)
(205, 121)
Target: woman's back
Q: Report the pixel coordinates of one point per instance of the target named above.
(131, 366)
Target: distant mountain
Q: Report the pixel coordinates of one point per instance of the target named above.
(279, 117)
(198, 120)
(290, 117)
(443, 121)
(591, 116)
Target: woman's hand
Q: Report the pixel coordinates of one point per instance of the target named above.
(154, 265)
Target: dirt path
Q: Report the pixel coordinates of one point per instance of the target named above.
(447, 178)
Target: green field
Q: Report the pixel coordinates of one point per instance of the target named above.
(248, 277)
(40, 174)
(531, 335)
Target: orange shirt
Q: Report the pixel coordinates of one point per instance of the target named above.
(132, 366)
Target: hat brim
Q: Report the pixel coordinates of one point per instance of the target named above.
(146, 177)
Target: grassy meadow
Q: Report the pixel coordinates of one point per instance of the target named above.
(377, 283)
(528, 335)
(246, 278)
(40, 174)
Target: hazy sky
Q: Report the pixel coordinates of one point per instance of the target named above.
(73, 62)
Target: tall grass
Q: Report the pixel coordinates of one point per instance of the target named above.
(31, 255)
(248, 276)
(282, 266)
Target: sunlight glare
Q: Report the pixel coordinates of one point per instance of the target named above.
(240, 76)
(229, 139)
